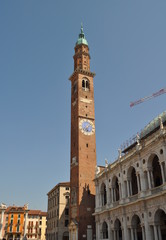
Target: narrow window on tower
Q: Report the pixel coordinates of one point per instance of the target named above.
(85, 85)
(87, 145)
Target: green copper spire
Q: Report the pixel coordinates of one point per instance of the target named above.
(81, 38)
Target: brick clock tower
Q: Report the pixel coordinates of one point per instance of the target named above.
(83, 145)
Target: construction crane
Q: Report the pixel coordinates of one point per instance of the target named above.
(156, 94)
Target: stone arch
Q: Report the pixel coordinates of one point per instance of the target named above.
(150, 159)
(103, 193)
(117, 229)
(104, 230)
(115, 187)
(136, 230)
(132, 178)
(160, 223)
(154, 166)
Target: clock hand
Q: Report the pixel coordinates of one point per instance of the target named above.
(86, 128)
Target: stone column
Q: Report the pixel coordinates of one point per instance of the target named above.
(97, 231)
(135, 234)
(152, 178)
(138, 182)
(159, 232)
(128, 189)
(146, 225)
(123, 187)
(132, 234)
(112, 194)
(125, 230)
(97, 196)
(109, 230)
(100, 200)
(162, 172)
(123, 234)
(149, 180)
(115, 234)
(108, 196)
(120, 191)
(131, 192)
(142, 181)
(143, 233)
(155, 232)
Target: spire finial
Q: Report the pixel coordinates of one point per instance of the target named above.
(82, 28)
(81, 38)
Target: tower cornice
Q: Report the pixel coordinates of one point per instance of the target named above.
(81, 71)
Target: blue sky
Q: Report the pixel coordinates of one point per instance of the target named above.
(127, 41)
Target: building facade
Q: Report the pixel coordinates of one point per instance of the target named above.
(36, 225)
(83, 145)
(131, 192)
(3, 220)
(58, 212)
(16, 224)
(20, 223)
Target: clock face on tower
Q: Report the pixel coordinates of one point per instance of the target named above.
(87, 127)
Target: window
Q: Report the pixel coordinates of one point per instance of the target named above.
(67, 188)
(11, 221)
(67, 199)
(85, 85)
(66, 223)
(18, 215)
(10, 228)
(18, 221)
(17, 228)
(66, 211)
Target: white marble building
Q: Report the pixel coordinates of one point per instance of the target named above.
(131, 192)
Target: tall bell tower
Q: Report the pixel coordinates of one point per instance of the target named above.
(83, 145)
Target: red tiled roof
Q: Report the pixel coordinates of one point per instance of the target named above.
(14, 209)
(43, 214)
(34, 212)
(37, 212)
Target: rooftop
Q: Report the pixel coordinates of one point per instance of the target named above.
(150, 128)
